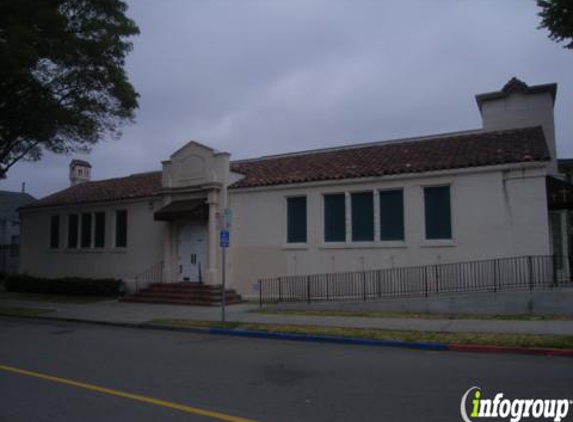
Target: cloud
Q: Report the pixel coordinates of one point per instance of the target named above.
(261, 77)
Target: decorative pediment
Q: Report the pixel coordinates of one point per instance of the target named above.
(190, 167)
(193, 165)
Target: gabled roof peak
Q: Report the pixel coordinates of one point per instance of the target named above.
(196, 144)
(514, 85)
(76, 162)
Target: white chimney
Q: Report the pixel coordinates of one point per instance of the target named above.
(80, 172)
(518, 105)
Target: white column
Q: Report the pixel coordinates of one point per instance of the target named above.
(212, 273)
(565, 230)
(170, 273)
(348, 222)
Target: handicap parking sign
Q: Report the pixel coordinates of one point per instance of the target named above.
(224, 238)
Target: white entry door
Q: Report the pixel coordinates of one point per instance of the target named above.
(192, 241)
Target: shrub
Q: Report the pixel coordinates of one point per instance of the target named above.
(73, 286)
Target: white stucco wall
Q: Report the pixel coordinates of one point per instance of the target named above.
(144, 243)
(495, 213)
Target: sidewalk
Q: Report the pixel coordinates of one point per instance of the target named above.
(113, 311)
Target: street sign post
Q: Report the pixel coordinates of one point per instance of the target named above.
(224, 243)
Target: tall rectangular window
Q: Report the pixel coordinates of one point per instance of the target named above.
(121, 228)
(15, 247)
(99, 232)
(438, 214)
(54, 232)
(557, 237)
(335, 218)
(73, 221)
(392, 215)
(362, 216)
(86, 230)
(296, 220)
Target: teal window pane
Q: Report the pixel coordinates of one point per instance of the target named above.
(334, 218)
(362, 216)
(438, 212)
(73, 222)
(392, 215)
(99, 241)
(296, 220)
(86, 230)
(55, 232)
(121, 228)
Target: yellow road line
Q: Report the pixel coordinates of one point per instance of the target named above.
(136, 397)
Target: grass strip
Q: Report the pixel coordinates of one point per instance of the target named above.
(10, 311)
(413, 315)
(37, 297)
(186, 323)
(496, 339)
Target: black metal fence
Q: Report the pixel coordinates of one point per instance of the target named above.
(493, 275)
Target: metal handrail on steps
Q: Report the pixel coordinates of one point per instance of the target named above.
(153, 274)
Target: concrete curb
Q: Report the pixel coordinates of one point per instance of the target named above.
(539, 351)
(328, 339)
(238, 332)
(139, 325)
(74, 320)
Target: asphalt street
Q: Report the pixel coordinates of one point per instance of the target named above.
(249, 379)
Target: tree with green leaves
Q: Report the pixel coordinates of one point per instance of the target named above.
(63, 86)
(557, 18)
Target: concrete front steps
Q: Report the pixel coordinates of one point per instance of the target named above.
(185, 293)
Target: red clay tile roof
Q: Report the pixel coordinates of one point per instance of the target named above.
(80, 162)
(440, 153)
(451, 152)
(135, 186)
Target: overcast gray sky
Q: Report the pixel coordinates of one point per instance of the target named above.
(263, 77)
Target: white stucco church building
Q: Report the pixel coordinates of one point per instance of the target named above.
(488, 193)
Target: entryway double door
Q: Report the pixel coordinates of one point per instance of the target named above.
(191, 251)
